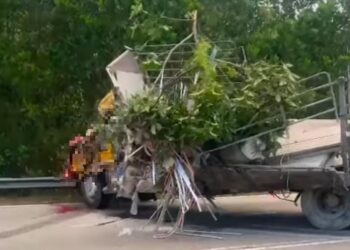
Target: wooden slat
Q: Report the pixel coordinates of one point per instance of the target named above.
(310, 135)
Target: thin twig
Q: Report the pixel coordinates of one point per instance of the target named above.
(133, 153)
(199, 235)
(164, 208)
(176, 19)
(178, 225)
(186, 162)
(211, 232)
(167, 183)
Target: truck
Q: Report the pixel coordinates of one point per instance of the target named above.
(312, 160)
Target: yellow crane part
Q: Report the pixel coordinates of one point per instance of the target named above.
(107, 104)
(107, 156)
(78, 162)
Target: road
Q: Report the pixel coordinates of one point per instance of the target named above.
(259, 222)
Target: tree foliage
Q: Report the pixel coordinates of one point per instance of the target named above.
(317, 40)
(53, 54)
(212, 109)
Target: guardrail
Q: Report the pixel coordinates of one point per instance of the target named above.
(36, 182)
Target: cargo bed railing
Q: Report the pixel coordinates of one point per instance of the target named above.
(326, 107)
(335, 106)
(344, 110)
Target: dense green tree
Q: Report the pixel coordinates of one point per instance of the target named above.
(53, 55)
(317, 40)
(52, 72)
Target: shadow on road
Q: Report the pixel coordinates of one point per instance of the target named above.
(287, 222)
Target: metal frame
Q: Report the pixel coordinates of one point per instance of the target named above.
(329, 110)
(36, 183)
(344, 91)
(178, 58)
(343, 176)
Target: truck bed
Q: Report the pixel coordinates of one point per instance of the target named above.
(310, 136)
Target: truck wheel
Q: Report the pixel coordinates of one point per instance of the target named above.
(91, 189)
(326, 209)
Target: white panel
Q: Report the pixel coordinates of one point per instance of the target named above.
(129, 83)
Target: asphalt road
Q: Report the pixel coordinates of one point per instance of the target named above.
(250, 222)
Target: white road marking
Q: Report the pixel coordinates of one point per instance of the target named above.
(283, 245)
(270, 230)
(296, 245)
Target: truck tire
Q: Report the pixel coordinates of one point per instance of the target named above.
(91, 189)
(326, 209)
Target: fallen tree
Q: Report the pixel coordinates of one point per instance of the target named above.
(166, 130)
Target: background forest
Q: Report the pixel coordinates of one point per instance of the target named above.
(53, 55)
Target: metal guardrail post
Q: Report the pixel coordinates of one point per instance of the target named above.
(343, 113)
